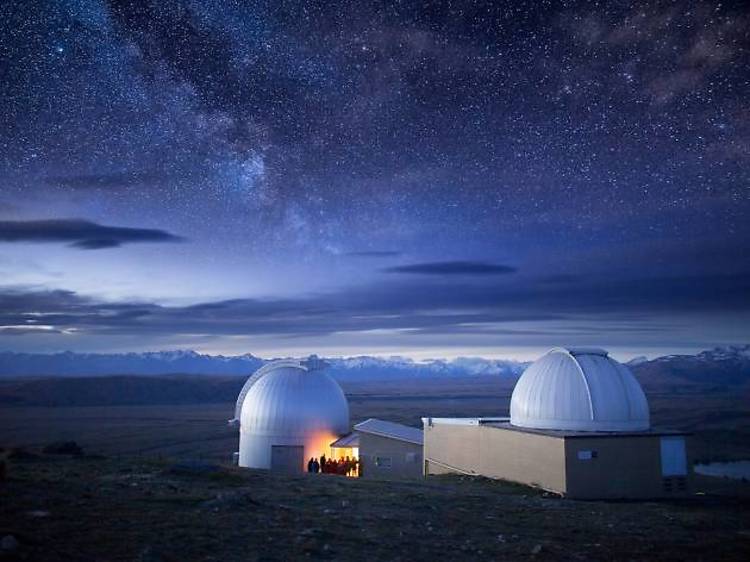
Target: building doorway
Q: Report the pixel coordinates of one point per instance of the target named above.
(347, 447)
(288, 459)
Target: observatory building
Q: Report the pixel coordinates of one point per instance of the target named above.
(579, 426)
(288, 412)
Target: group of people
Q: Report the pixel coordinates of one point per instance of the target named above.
(343, 467)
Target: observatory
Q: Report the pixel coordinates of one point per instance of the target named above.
(579, 390)
(288, 412)
(579, 426)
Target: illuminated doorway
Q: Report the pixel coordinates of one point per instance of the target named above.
(347, 447)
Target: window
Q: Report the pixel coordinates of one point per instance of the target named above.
(382, 462)
(587, 455)
(411, 458)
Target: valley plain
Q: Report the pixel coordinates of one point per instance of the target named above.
(719, 418)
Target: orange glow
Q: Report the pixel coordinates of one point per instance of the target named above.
(318, 444)
(340, 453)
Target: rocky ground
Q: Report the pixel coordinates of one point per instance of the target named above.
(59, 507)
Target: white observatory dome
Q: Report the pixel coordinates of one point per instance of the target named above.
(289, 411)
(580, 390)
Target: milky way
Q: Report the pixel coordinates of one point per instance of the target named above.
(421, 178)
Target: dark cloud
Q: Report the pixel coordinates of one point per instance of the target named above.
(453, 268)
(81, 234)
(96, 244)
(625, 306)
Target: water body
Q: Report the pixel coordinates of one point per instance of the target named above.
(736, 469)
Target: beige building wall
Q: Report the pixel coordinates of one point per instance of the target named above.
(451, 448)
(383, 457)
(528, 458)
(621, 467)
(537, 460)
(605, 466)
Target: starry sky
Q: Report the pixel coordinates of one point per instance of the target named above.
(430, 179)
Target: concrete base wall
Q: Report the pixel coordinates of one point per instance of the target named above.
(397, 459)
(537, 460)
(596, 467)
(621, 467)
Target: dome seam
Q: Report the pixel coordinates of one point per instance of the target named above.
(585, 384)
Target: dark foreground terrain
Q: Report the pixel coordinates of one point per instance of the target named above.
(97, 508)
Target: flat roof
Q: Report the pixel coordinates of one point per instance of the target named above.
(504, 423)
(463, 421)
(391, 430)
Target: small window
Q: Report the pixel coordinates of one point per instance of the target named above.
(411, 458)
(383, 462)
(586, 455)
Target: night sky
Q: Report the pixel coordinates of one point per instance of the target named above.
(429, 179)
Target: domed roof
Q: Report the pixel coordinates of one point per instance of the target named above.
(289, 399)
(580, 390)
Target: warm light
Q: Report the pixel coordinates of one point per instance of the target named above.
(318, 444)
(340, 453)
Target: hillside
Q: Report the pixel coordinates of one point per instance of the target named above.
(105, 509)
(719, 367)
(119, 390)
(68, 364)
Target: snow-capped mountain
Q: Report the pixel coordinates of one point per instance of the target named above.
(637, 361)
(190, 362)
(737, 353)
(720, 366)
(146, 363)
(365, 367)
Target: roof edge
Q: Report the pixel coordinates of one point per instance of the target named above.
(356, 427)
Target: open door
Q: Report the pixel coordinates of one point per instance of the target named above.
(673, 456)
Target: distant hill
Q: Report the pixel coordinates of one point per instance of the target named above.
(720, 367)
(69, 364)
(717, 369)
(147, 363)
(376, 368)
(120, 390)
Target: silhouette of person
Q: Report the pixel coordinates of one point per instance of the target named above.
(310, 465)
(315, 466)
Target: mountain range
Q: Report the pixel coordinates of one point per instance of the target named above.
(69, 364)
(187, 377)
(728, 365)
